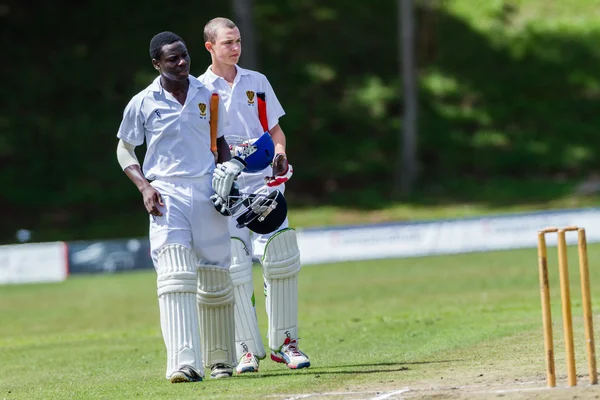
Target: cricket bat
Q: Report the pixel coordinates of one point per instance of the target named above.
(214, 121)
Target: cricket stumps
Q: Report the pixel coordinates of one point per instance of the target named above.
(566, 304)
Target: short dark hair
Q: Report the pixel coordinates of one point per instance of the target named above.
(161, 39)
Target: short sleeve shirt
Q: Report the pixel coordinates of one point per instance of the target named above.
(177, 136)
(241, 103)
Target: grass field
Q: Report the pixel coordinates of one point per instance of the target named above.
(463, 326)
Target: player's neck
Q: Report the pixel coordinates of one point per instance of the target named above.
(173, 86)
(227, 72)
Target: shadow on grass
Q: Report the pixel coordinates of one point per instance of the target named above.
(352, 369)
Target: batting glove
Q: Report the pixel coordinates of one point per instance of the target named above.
(225, 205)
(282, 171)
(220, 204)
(225, 174)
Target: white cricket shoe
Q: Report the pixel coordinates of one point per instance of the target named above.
(290, 355)
(185, 374)
(218, 371)
(248, 363)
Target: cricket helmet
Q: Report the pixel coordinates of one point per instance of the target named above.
(257, 153)
(262, 212)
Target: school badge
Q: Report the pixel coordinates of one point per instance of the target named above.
(250, 95)
(202, 107)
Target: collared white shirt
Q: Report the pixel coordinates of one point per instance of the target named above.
(241, 103)
(177, 136)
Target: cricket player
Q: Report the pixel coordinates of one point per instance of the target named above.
(189, 240)
(278, 251)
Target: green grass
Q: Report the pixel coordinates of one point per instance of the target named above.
(376, 325)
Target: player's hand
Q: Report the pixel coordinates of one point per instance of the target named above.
(152, 201)
(282, 171)
(224, 175)
(220, 204)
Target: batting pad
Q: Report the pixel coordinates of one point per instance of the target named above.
(215, 311)
(281, 264)
(247, 334)
(176, 287)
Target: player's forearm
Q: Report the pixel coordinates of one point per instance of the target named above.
(223, 150)
(278, 139)
(134, 173)
(130, 164)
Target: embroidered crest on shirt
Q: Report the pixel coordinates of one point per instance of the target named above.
(202, 107)
(250, 95)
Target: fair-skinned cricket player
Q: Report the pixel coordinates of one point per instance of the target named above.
(278, 251)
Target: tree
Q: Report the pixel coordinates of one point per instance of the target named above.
(244, 18)
(406, 166)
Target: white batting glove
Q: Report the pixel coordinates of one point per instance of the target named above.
(220, 204)
(224, 175)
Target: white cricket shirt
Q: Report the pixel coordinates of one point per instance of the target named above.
(177, 136)
(241, 103)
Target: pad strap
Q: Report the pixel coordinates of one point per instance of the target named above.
(176, 282)
(214, 286)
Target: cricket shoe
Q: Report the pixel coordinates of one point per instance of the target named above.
(248, 363)
(290, 355)
(218, 371)
(185, 374)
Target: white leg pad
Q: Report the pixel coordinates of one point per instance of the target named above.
(215, 310)
(176, 287)
(281, 264)
(247, 334)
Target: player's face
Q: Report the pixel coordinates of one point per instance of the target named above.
(228, 46)
(174, 63)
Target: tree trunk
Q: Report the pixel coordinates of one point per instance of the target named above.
(244, 19)
(406, 167)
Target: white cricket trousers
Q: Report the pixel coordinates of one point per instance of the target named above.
(190, 219)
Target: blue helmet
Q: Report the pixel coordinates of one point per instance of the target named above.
(257, 153)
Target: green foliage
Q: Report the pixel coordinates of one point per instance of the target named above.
(508, 89)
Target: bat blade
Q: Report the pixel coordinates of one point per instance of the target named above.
(214, 121)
